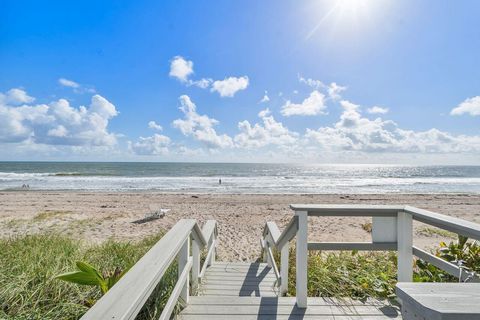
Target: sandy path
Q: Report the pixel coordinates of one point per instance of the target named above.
(98, 216)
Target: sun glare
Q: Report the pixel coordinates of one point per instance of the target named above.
(345, 14)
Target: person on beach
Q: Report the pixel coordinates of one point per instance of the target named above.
(219, 181)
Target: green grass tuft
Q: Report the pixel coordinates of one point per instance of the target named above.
(348, 274)
(29, 263)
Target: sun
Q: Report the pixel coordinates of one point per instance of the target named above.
(345, 14)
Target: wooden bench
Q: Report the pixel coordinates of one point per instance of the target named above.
(439, 301)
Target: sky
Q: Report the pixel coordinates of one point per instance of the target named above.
(331, 81)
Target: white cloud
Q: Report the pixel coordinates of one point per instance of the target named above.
(57, 123)
(470, 105)
(68, 83)
(356, 133)
(229, 86)
(203, 83)
(259, 135)
(15, 96)
(316, 84)
(77, 88)
(181, 68)
(377, 110)
(313, 105)
(154, 126)
(334, 91)
(200, 127)
(265, 98)
(155, 145)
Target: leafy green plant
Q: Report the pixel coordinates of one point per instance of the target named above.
(460, 252)
(88, 275)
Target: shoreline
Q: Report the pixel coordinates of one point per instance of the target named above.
(98, 216)
(153, 191)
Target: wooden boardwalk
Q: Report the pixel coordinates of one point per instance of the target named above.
(257, 290)
(249, 291)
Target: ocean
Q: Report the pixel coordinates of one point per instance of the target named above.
(238, 177)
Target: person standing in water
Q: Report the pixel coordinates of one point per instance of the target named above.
(219, 181)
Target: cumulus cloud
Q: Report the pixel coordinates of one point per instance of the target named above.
(229, 86)
(334, 91)
(68, 83)
(470, 106)
(353, 132)
(15, 96)
(200, 127)
(180, 68)
(311, 106)
(269, 132)
(154, 126)
(155, 145)
(57, 123)
(377, 110)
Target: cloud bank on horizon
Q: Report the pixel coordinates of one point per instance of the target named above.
(57, 126)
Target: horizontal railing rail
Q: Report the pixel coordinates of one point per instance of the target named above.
(127, 297)
(392, 229)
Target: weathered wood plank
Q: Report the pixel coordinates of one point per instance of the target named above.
(127, 297)
(285, 301)
(442, 301)
(456, 225)
(176, 292)
(230, 293)
(284, 317)
(440, 263)
(348, 210)
(290, 309)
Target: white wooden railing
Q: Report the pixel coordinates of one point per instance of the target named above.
(392, 229)
(127, 297)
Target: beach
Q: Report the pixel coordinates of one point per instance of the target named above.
(98, 216)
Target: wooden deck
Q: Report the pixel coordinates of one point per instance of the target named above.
(249, 291)
(256, 291)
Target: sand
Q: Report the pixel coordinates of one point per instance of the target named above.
(95, 217)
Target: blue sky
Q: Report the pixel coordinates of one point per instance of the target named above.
(346, 81)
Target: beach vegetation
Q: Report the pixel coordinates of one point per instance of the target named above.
(89, 275)
(29, 265)
(348, 274)
(432, 231)
(49, 214)
(462, 252)
(367, 227)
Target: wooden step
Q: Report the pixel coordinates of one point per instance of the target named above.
(224, 307)
(239, 279)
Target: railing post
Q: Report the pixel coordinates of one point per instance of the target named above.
(266, 258)
(182, 259)
(212, 242)
(284, 256)
(404, 247)
(196, 263)
(264, 251)
(302, 258)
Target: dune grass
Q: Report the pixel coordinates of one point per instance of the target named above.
(29, 263)
(348, 274)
